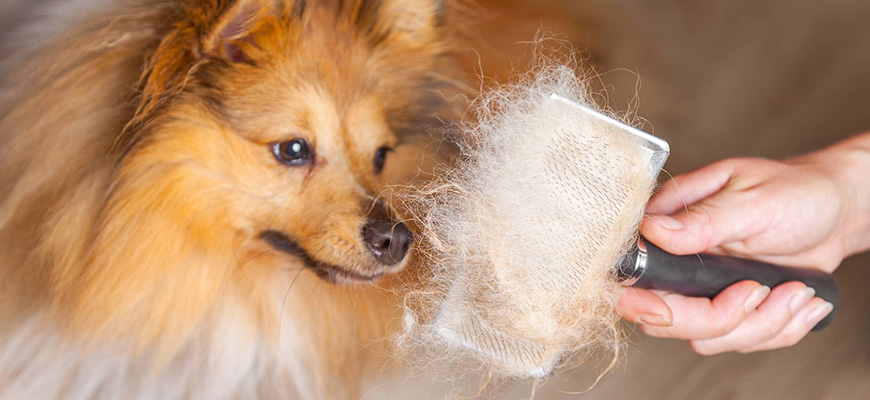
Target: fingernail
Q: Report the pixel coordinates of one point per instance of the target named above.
(819, 313)
(651, 319)
(800, 299)
(756, 297)
(667, 222)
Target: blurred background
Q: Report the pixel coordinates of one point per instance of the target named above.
(717, 79)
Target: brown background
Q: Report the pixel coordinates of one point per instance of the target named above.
(719, 78)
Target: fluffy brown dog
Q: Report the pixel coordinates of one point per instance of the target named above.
(188, 184)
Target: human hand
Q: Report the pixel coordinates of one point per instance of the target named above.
(804, 212)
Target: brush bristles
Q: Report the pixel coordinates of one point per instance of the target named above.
(523, 234)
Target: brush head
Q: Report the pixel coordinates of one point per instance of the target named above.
(654, 151)
(528, 230)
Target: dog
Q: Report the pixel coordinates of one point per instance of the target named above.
(193, 200)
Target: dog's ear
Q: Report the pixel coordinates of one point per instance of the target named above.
(228, 32)
(203, 30)
(415, 21)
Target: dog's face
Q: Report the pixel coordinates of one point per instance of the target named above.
(292, 123)
(317, 138)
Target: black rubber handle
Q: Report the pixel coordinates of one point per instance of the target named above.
(706, 275)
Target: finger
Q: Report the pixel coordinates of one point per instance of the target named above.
(725, 217)
(798, 327)
(687, 189)
(644, 307)
(696, 318)
(764, 323)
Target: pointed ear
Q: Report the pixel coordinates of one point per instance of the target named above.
(227, 34)
(205, 28)
(414, 20)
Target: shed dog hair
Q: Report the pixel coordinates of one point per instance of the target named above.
(159, 236)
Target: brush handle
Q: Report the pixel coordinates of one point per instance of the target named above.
(705, 275)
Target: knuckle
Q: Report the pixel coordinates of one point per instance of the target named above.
(768, 329)
(725, 323)
(728, 164)
(702, 347)
(790, 338)
(734, 166)
(703, 215)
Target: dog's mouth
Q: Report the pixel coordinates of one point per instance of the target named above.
(326, 271)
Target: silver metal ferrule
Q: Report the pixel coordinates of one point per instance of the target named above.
(630, 271)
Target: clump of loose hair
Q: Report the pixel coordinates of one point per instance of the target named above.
(521, 235)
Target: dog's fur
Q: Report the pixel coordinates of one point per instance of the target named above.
(138, 182)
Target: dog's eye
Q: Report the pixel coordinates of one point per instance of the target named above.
(381, 158)
(293, 152)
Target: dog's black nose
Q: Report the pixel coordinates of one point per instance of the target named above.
(388, 242)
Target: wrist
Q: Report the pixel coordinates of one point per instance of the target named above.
(848, 163)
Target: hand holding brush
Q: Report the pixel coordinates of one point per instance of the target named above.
(810, 211)
(534, 238)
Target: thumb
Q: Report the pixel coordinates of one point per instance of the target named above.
(644, 307)
(715, 221)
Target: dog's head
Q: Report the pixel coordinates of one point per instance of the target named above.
(281, 123)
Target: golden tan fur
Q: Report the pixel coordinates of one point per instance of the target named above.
(137, 181)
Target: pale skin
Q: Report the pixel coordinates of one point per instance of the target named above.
(810, 211)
